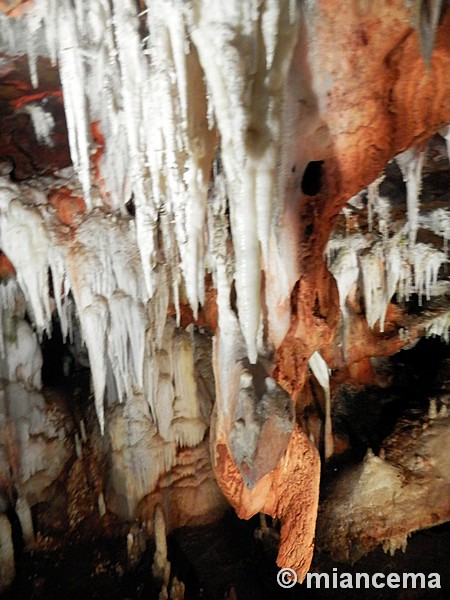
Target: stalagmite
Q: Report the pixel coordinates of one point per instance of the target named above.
(101, 505)
(26, 522)
(7, 564)
(177, 589)
(161, 566)
(136, 544)
(385, 485)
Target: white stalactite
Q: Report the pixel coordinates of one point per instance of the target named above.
(23, 358)
(440, 327)
(427, 262)
(321, 372)
(391, 261)
(156, 102)
(72, 74)
(25, 240)
(438, 221)
(94, 324)
(236, 45)
(411, 164)
(158, 146)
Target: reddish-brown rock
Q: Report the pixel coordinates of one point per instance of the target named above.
(297, 475)
(367, 96)
(6, 267)
(68, 205)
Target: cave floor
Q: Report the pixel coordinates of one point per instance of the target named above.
(215, 562)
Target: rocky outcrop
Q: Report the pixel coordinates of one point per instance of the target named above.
(386, 497)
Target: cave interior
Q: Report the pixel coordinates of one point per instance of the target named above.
(224, 296)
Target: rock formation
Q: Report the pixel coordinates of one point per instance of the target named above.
(217, 211)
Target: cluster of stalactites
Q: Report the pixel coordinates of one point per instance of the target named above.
(159, 97)
(440, 327)
(97, 271)
(388, 260)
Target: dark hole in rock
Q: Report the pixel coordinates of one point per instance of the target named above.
(130, 206)
(309, 230)
(58, 361)
(16, 533)
(312, 178)
(233, 300)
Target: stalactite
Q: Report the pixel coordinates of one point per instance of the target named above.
(345, 270)
(373, 202)
(427, 15)
(224, 39)
(391, 261)
(322, 373)
(131, 87)
(438, 221)
(23, 358)
(411, 164)
(30, 257)
(440, 327)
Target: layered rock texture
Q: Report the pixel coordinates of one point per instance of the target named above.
(218, 220)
